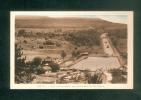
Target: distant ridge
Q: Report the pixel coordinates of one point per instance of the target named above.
(45, 21)
(24, 17)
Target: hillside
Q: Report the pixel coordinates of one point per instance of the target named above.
(44, 22)
(35, 26)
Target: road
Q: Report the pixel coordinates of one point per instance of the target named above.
(106, 45)
(109, 48)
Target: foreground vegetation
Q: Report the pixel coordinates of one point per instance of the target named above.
(24, 70)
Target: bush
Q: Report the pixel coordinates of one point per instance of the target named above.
(25, 41)
(21, 32)
(37, 61)
(40, 70)
(41, 47)
(117, 75)
(55, 67)
(96, 78)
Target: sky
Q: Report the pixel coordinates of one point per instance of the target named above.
(115, 18)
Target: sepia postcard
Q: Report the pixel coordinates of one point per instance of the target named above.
(71, 50)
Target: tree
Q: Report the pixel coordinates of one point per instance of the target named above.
(20, 65)
(36, 64)
(63, 54)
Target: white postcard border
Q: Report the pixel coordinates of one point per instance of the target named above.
(129, 84)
